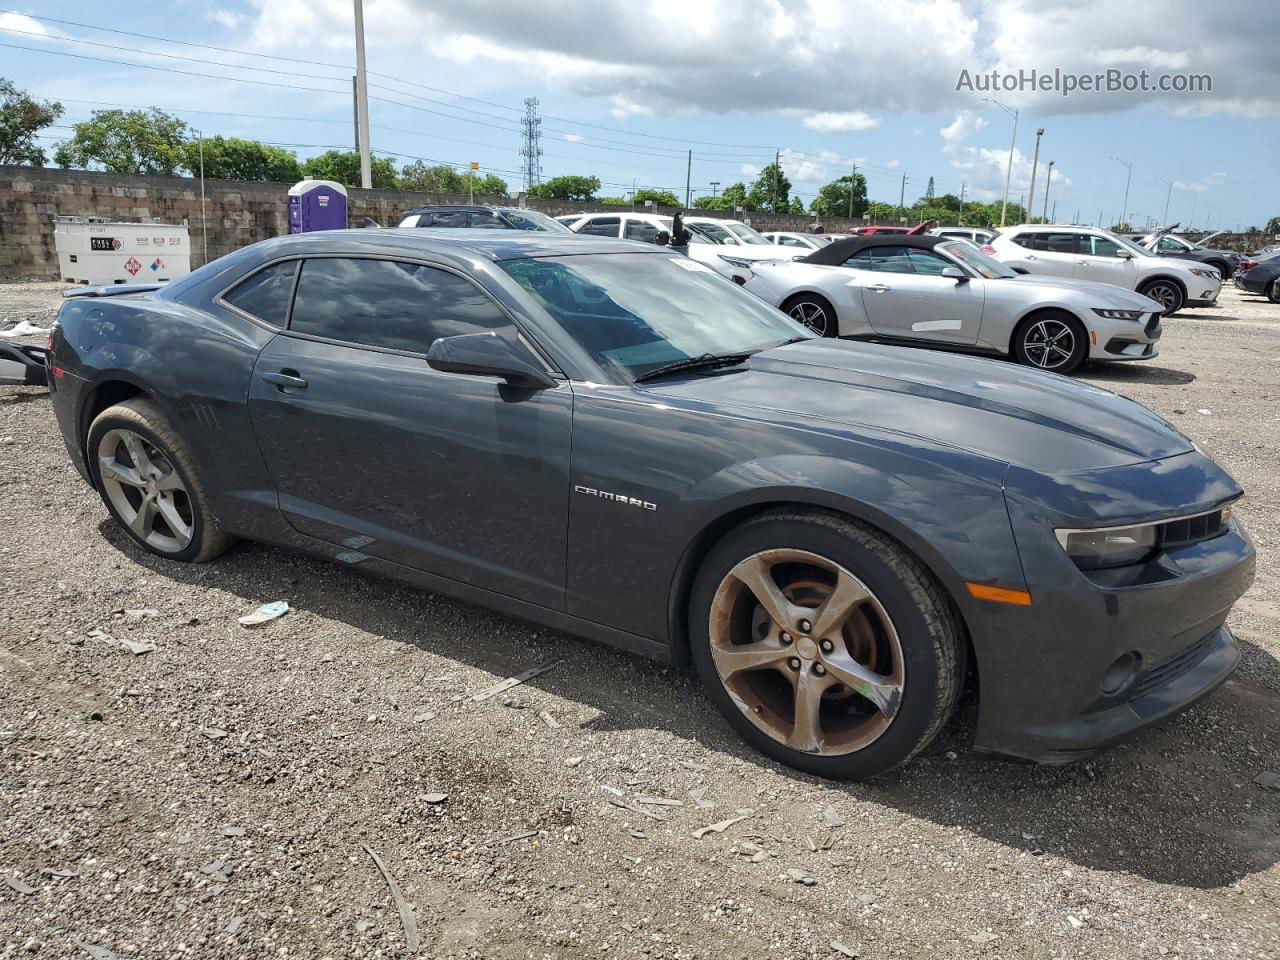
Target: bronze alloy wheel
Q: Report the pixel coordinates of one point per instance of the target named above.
(806, 651)
(147, 492)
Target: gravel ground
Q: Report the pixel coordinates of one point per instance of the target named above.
(219, 796)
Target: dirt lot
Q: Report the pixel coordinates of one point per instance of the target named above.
(216, 797)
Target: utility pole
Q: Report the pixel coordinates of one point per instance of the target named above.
(1077, 219)
(961, 216)
(688, 173)
(1008, 170)
(902, 196)
(1167, 197)
(355, 114)
(1048, 179)
(1055, 211)
(1099, 218)
(1035, 161)
(1124, 211)
(714, 184)
(774, 203)
(1192, 222)
(362, 101)
(204, 217)
(853, 178)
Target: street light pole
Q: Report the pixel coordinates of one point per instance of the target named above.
(714, 184)
(1167, 197)
(1124, 211)
(1008, 171)
(362, 100)
(204, 216)
(1048, 179)
(1035, 162)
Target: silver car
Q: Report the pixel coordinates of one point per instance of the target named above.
(940, 292)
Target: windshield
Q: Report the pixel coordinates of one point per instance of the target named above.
(635, 312)
(713, 231)
(978, 261)
(745, 233)
(533, 220)
(1129, 245)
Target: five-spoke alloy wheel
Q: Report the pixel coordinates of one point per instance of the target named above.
(824, 643)
(149, 484)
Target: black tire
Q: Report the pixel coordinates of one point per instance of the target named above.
(927, 628)
(168, 453)
(1223, 268)
(1273, 291)
(1030, 348)
(1165, 291)
(811, 305)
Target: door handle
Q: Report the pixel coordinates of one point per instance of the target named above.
(1083, 263)
(877, 288)
(1030, 256)
(286, 380)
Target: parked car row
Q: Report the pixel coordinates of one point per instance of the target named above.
(607, 438)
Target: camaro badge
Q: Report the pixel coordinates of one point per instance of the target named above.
(615, 497)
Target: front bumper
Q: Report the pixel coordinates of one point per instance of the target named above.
(1043, 670)
(1203, 294)
(1125, 339)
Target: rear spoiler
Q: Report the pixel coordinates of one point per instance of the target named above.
(112, 290)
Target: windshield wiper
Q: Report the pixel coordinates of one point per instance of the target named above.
(708, 361)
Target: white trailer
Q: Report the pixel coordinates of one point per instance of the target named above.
(95, 250)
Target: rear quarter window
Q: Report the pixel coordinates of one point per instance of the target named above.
(266, 294)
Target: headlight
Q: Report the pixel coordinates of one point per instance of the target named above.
(1111, 547)
(1119, 314)
(1209, 274)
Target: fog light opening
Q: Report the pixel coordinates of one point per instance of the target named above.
(1122, 672)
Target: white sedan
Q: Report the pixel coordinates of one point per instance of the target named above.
(798, 242)
(938, 292)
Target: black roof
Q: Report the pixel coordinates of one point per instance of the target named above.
(838, 251)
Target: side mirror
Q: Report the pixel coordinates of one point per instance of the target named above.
(1021, 270)
(487, 355)
(1124, 254)
(956, 274)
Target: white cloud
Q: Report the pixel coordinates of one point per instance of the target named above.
(1202, 185)
(1142, 57)
(24, 24)
(984, 168)
(227, 18)
(811, 168)
(574, 137)
(893, 164)
(841, 122)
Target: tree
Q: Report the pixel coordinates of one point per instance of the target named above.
(431, 179)
(1273, 225)
(344, 167)
(734, 196)
(566, 188)
(20, 117)
(771, 190)
(491, 185)
(660, 198)
(833, 199)
(614, 201)
(126, 141)
(796, 207)
(230, 158)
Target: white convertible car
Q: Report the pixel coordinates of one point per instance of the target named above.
(942, 292)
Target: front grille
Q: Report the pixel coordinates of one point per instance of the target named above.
(1174, 667)
(1183, 533)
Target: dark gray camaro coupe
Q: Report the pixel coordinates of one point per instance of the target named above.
(611, 439)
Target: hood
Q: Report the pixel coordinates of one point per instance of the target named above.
(755, 251)
(990, 408)
(1106, 294)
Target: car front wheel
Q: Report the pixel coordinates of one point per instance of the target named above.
(1165, 292)
(824, 644)
(1273, 291)
(814, 312)
(147, 479)
(1050, 341)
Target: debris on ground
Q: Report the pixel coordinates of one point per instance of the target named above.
(1269, 779)
(233, 925)
(623, 805)
(233, 831)
(434, 797)
(546, 717)
(142, 613)
(511, 839)
(720, 827)
(19, 886)
(572, 762)
(796, 875)
(699, 797)
(660, 802)
(407, 919)
(843, 950)
(831, 818)
(265, 613)
(504, 685)
(97, 952)
(213, 733)
(136, 647)
(423, 717)
(983, 936)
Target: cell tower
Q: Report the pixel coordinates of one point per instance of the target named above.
(532, 149)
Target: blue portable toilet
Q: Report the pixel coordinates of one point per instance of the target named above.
(317, 205)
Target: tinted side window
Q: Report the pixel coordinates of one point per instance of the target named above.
(1171, 245)
(891, 259)
(1059, 242)
(1029, 240)
(448, 218)
(265, 295)
(791, 242)
(1099, 247)
(382, 303)
(641, 230)
(861, 260)
(486, 221)
(601, 227)
(930, 264)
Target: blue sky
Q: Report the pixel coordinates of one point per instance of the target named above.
(627, 86)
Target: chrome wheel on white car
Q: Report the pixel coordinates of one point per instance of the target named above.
(814, 312)
(1051, 342)
(1165, 292)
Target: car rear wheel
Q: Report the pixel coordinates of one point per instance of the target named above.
(1164, 292)
(814, 312)
(148, 481)
(1273, 291)
(1051, 341)
(824, 644)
